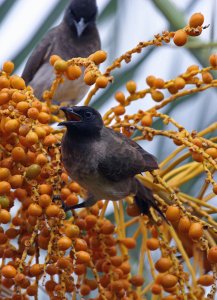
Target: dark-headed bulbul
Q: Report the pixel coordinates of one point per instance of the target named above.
(103, 161)
(75, 36)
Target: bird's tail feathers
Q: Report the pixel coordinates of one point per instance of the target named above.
(144, 199)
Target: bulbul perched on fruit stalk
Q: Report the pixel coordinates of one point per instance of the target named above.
(103, 161)
(75, 36)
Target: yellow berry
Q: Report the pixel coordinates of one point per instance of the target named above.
(213, 60)
(73, 72)
(131, 86)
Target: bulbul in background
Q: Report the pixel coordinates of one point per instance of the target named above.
(103, 161)
(75, 36)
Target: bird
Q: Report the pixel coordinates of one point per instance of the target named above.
(76, 36)
(103, 161)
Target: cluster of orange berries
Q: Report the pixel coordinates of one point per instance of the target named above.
(193, 29)
(72, 69)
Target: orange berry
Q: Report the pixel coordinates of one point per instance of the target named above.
(197, 156)
(4, 98)
(137, 280)
(91, 220)
(215, 188)
(207, 77)
(52, 210)
(196, 20)
(206, 280)
(159, 83)
(80, 244)
(43, 117)
(157, 95)
(119, 110)
(179, 83)
(4, 173)
(71, 200)
(169, 280)
(119, 96)
(32, 290)
(90, 78)
(129, 243)
(131, 86)
(197, 142)
(33, 113)
(4, 187)
(213, 60)
(195, 231)
(35, 210)
(83, 257)
(22, 106)
(4, 82)
(64, 243)
(8, 67)
(102, 82)
(184, 224)
(72, 231)
(180, 38)
(212, 255)
(12, 126)
(152, 244)
(51, 270)
(18, 154)
(74, 187)
(18, 96)
(116, 260)
(5, 216)
(156, 289)
(8, 271)
(73, 72)
(125, 267)
(41, 159)
(41, 132)
(212, 152)
(45, 188)
(16, 181)
(31, 138)
(147, 120)
(163, 264)
(150, 80)
(85, 290)
(99, 57)
(17, 82)
(33, 171)
(107, 227)
(133, 210)
(36, 269)
(173, 214)
(44, 200)
(60, 65)
(53, 59)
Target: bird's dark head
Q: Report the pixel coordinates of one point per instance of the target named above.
(80, 14)
(82, 120)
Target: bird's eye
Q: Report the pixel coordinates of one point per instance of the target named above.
(88, 115)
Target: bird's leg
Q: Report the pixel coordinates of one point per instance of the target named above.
(90, 201)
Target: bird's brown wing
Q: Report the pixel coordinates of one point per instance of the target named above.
(124, 158)
(39, 55)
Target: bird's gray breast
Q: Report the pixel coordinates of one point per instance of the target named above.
(69, 91)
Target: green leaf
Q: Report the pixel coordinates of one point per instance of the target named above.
(5, 8)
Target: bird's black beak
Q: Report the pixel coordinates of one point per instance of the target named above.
(71, 116)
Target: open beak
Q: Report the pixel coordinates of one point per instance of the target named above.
(71, 116)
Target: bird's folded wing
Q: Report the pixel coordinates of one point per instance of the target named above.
(41, 53)
(124, 158)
